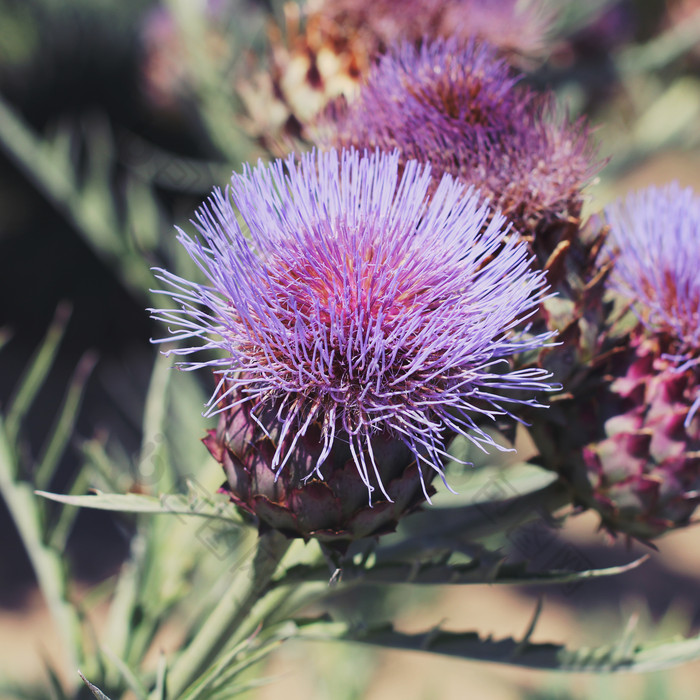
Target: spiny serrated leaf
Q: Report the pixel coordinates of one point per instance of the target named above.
(475, 486)
(449, 529)
(621, 656)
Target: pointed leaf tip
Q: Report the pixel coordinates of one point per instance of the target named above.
(93, 688)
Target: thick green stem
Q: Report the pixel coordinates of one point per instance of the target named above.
(229, 614)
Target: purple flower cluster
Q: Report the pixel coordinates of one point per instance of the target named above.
(460, 108)
(341, 295)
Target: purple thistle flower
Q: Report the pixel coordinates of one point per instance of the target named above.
(343, 298)
(655, 234)
(460, 108)
(424, 100)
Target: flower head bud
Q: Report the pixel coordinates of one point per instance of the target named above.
(512, 25)
(332, 510)
(644, 474)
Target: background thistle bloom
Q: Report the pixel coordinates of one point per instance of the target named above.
(328, 47)
(641, 459)
(510, 24)
(355, 309)
(460, 108)
(657, 234)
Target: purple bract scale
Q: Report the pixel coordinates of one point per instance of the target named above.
(656, 233)
(343, 297)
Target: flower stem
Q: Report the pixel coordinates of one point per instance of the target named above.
(225, 619)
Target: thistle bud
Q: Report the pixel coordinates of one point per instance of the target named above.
(301, 503)
(644, 475)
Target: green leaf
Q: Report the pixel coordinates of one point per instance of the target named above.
(170, 504)
(93, 688)
(477, 571)
(153, 448)
(36, 373)
(90, 208)
(234, 610)
(59, 533)
(143, 214)
(121, 623)
(232, 691)
(129, 677)
(174, 172)
(57, 690)
(48, 566)
(224, 671)
(450, 529)
(663, 49)
(65, 422)
(159, 692)
(110, 473)
(478, 485)
(17, 691)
